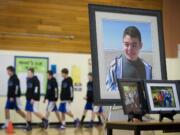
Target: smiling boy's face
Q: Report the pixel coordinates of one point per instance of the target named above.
(131, 47)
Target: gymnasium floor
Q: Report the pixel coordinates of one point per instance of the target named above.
(77, 131)
(54, 131)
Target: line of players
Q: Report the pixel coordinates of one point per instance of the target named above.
(52, 94)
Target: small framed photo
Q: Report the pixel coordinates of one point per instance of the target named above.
(162, 96)
(132, 95)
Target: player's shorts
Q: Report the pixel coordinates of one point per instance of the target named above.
(16, 104)
(88, 106)
(31, 107)
(64, 107)
(51, 107)
(98, 109)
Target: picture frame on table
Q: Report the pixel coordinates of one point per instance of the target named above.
(133, 96)
(162, 96)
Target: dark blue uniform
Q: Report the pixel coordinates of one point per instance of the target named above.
(52, 94)
(66, 94)
(14, 92)
(33, 92)
(89, 95)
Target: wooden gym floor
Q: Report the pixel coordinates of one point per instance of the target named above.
(55, 131)
(76, 131)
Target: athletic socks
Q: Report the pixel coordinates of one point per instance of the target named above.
(63, 123)
(5, 124)
(29, 126)
(82, 119)
(99, 120)
(77, 122)
(45, 123)
(91, 123)
(29, 123)
(60, 123)
(44, 119)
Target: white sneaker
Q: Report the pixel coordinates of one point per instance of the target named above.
(62, 127)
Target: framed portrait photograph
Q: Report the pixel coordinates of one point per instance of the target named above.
(132, 95)
(126, 43)
(162, 96)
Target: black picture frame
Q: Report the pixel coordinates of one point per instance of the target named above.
(98, 99)
(140, 96)
(164, 86)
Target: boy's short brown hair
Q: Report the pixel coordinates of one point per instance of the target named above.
(31, 70)
(90, 74)
(50, 72)
(132, 31)
(65, 71)
(11, 68)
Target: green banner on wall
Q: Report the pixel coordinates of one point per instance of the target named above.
(40, 64)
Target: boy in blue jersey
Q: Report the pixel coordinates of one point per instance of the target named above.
(32, 100)
(129, 65)
(66, 97)
(13, 95)
(89, 101)
(52, 96)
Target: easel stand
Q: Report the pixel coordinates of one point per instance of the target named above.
(115, 113)
(168, 115)
(133, 116)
